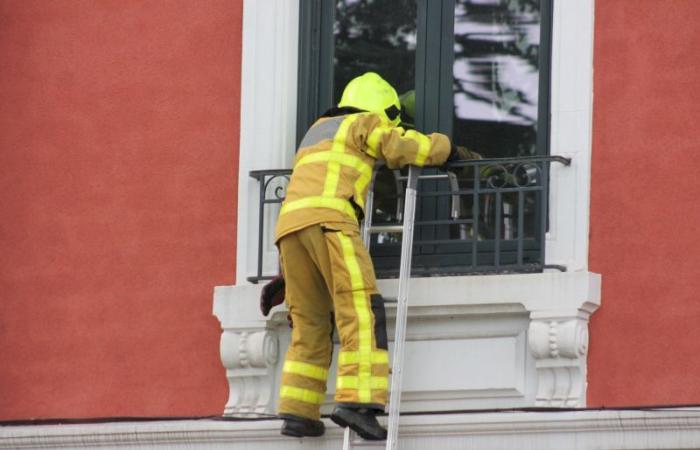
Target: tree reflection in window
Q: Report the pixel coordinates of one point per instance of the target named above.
(377, 36)
(496, 76)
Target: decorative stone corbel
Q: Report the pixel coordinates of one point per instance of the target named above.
(249, 357)
(249, 350)
(558, 341)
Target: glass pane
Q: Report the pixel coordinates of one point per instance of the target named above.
(377, 36)
(496, 76)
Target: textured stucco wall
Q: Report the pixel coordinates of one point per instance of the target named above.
(645, 213)
(118, 156)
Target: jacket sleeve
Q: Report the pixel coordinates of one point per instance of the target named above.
(399, 147)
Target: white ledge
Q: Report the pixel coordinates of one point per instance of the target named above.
(503, 341)
(572, 430)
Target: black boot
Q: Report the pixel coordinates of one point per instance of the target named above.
(301, 426)
(361, 420)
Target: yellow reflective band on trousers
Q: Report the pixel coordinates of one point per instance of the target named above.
(339, 141)
(303, 395)
(338, 204)
(306, 369)
(351, 382)
(364, 319)
(377, 357)
(423, 146)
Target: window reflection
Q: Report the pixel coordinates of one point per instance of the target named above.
(496, 76)
(377, 36)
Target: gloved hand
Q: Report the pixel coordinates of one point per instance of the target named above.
(272, 294)
(460, 153)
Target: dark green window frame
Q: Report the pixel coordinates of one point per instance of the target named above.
(435, 26)
(433, 77)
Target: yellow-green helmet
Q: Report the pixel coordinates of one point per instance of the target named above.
(371, 92)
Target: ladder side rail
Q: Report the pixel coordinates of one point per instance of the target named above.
(402, 307)
(369, 208)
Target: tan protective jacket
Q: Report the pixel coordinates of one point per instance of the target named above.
(333, 167)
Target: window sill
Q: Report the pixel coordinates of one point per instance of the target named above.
(501, 341)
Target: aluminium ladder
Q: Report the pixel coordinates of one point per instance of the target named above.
(350, 440)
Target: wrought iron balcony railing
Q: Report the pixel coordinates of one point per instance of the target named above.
(478, 216)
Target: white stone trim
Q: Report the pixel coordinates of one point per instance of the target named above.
(571, 133)
(514, 430)
(504, 341)
(268, 114)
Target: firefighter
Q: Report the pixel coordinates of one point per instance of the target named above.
(325, 266)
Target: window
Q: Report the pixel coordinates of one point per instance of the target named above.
(478, 71)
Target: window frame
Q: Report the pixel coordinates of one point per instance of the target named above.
(434, 64)
(434, 21)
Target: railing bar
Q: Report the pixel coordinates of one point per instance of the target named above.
(544, 211)
(521, 225)
(509, 247)
(261, 225)
(497, 249)
(428, 222)
(475, 215)
(483, 191)
(516, 160)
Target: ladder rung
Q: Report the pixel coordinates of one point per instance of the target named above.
(363, 443)
(386, 229)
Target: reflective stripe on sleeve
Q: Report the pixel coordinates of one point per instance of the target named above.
(373, 139)
(423, 142)
(306, 369)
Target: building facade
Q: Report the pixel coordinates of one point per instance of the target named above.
(134, 140)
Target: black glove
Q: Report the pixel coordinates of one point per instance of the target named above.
(459, 153)
(272, 294)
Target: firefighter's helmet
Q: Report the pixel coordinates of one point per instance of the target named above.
(371, 92)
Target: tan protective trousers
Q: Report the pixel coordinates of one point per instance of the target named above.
(327, 269)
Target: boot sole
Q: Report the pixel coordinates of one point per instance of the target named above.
(341, 422)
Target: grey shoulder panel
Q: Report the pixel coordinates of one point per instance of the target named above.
(321, 132)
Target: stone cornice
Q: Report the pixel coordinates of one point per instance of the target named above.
(513, 430)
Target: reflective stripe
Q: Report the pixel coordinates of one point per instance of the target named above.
(364, 319)
(423, 146)
(338, 204)
(303, 395)
(306, 369)
(360, 186)
(321, 132)
(373, 139)
(342, 158)
(377, 357)
(333, 173)
(350, 382)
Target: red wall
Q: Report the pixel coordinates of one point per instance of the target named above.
(118, 155)
(645, 212)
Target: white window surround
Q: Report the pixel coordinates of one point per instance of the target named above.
(268, 122)
(535, 326)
